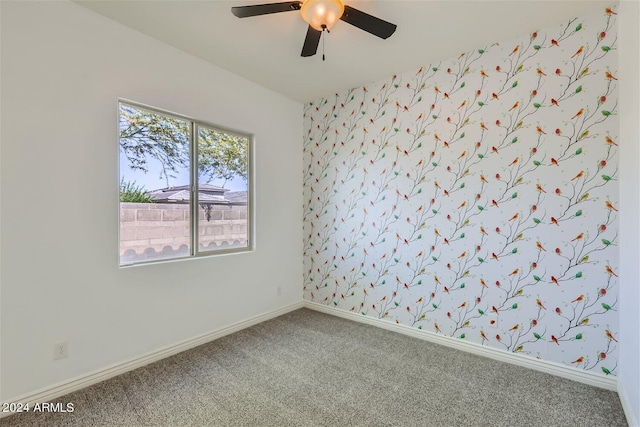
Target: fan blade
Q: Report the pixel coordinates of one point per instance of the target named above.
(311, 42)
(368, 23)
(265, 9)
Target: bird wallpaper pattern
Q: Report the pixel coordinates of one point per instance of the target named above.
(477, 197)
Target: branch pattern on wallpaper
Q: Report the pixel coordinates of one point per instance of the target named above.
(477, 197)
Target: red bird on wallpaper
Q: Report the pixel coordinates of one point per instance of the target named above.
(610, 141)
(610, 76)
(578, 114)
(578, 52)
(578, 176)
(610, 270)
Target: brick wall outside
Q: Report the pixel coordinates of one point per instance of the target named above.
(154, 228)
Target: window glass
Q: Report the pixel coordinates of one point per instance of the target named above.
(179, 198)
(223, 213)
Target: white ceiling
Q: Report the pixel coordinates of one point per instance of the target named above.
(266, 49)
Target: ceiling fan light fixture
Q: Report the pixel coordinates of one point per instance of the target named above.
(322, 14)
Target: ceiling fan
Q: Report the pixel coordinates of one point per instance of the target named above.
(321, 15)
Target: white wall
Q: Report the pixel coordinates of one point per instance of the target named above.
(63, 68)
(630, 205)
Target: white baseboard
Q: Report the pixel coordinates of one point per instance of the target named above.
(609, 383)
(48, 393)
(626, 406)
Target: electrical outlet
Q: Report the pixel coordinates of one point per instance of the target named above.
(279, 290)
(60, 350)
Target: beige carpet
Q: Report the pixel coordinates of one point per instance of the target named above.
(311, 369)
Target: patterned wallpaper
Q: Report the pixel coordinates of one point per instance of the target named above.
(477, 197)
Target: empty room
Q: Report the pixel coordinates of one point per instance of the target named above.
(319, 213)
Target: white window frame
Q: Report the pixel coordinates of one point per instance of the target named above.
(194, 124)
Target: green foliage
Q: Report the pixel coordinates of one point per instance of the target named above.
(133, 193)
(221, 155)
(147, 136)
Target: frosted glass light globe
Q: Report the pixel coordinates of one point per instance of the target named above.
(322, 14)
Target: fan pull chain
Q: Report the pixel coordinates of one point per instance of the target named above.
(324, 28)
(323, 46)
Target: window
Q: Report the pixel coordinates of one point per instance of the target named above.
(183, 187)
